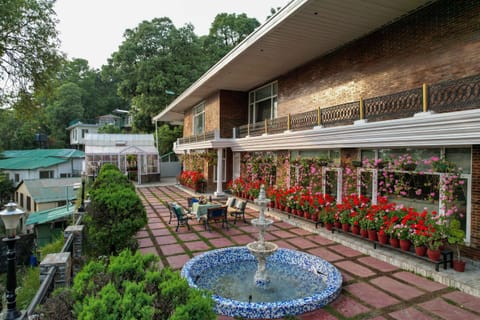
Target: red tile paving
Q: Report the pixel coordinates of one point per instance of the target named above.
(326, 254)
(345, 251)
(355, 269)
(447, 311)
(348, 307)
(171, 249)
(409, 314)
(464, 300)
(371, 295)
(418, 281)
(373, 289)
(401, 290)
(377, 264)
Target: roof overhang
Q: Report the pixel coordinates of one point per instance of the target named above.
(300, 32)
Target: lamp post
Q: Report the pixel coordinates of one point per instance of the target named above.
(10, 216)
(82, 204)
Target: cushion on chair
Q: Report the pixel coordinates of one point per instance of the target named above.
(239, 205)
(230, 202)
(179, 211)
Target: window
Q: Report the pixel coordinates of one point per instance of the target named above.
(84, 132)
(17, 177)
(422, 187)
(199, 119)
(262, 103)
(224, 168)
(29, 203)
(47, 174)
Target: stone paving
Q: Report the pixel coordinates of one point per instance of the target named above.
(372, 289)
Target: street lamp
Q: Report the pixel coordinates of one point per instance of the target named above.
(10, 216)
(82, 204)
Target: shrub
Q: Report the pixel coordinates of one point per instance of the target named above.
(115, 214)
(130, 286)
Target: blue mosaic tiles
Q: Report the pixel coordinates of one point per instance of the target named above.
(205, 266)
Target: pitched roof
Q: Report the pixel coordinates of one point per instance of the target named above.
(43, 153)
(48, 190)
(313, 28)
(37, 158)
(50, 215)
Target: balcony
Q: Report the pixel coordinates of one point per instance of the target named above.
(455, 95)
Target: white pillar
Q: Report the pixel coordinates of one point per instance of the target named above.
(219, 191)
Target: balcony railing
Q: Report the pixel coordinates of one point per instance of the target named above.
(206, 136)
(448, 96)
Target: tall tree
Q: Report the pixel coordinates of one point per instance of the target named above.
(226, 31)
(154, 59)
(67, 106)
(28, 48)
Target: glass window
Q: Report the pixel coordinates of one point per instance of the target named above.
(263, 103)
(199, 119)
(461, 156)
(47, 174)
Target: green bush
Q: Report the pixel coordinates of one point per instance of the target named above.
(114, 215)
(130, 286)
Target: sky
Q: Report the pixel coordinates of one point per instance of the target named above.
(93, 29)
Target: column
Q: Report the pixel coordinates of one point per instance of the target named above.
(219, 191)
(77, 246)
(63, 261)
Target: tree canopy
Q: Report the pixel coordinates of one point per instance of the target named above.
(28, 48)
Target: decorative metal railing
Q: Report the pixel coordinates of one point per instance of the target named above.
(448, 96)
(206, 136)
(455, 95)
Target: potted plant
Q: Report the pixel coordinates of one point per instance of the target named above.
(456, 237)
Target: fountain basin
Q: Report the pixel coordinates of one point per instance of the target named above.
(202, 270)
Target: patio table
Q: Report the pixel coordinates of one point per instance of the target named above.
(200, 210)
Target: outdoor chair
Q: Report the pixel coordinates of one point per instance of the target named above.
(171, 209)
(181, 215)
(216, 214)
(238, 211)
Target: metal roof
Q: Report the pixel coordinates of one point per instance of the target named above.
(29, 163)
(49, 190)
(43, 153)
(59, 213)
(300, 32)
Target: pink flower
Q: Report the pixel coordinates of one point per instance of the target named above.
(418, 192)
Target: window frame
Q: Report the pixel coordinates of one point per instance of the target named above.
(198, 111)
(252, 102)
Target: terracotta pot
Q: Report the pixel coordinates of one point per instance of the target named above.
(364, 233)
(288, 209)
(314, 217)
(459, 265)
(346, 227)
(433, 255)
(420, 251)
(355, 229)
(382, 238)
(307, 215)
(372, 235)
(328, 225)
(405, 244)
(394, 242)
(337, 224)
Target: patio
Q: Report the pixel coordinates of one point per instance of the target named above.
(372, 288)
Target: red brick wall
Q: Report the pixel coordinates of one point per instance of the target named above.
(234, 112)
(438, 43)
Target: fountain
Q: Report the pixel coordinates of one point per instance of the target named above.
(261, 249)
(262, 280)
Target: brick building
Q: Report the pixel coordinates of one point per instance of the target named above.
(345, 81)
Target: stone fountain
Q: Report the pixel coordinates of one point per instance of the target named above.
(285, 282)
(262, 249)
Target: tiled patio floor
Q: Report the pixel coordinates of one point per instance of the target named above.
(372, 289)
